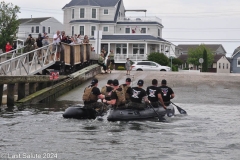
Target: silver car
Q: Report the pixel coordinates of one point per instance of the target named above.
(149, 66)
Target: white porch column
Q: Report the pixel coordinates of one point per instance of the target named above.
(109, 48)
(127, 50)
(146, 47)
(159, 48)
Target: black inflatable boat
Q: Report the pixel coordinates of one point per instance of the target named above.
(133, 114)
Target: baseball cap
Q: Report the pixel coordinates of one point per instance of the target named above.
(109, 81)
(164, 81)
(128, 80)
(94, 81)
(140, 82)
(115, 82)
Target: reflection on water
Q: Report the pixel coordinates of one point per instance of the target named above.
(206, 133)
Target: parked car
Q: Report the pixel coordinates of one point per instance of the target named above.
(149, 66)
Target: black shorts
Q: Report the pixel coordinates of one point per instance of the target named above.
(112, 61)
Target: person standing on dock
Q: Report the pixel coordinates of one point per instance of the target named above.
(166, 92)
(154, 94)
(91, 96)
(56, 44)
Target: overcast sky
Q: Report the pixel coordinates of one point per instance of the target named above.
(184, 21)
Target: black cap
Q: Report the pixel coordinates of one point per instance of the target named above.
(30, 35)
(164, 81)
(115, 82)
(154, 82)
(94, 81)
(140, 82)
(109, 81)
(128, 80)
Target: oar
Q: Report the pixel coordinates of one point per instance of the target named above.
(180, 110)
(160, 118)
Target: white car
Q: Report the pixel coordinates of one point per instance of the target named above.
(149, 66)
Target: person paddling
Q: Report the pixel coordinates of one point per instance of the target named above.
(166, 92)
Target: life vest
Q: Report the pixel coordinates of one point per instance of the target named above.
(101, 60)
(125, 88)
(121, 98)
(88, 95)
(104, 92)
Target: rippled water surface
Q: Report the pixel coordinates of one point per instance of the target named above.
(208, 132)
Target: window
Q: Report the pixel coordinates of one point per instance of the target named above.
(227, 66)
(81, 30)
(32, 29)
(82, 12)
(94, 13)
(127, 30)
(49, 30)
(72, 13)
(105, 29)
(158, 32)
(72, 30)
(238, 62)
(219, 65)
(143, 30)
(105, 11)
(43, 29)
(121, 48)
(223, 65)
(37, 29)
(138, 48)
(144, 63)
(93, 28)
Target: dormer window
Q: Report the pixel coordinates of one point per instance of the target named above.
(32, 29)
(105, 29)
(143, 30)
(82, 12)
(105, 11)
(94, 13)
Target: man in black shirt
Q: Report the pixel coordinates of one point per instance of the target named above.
(117, 96)
(137, 95)
(154, 94)
(166, 92)
(91, 95)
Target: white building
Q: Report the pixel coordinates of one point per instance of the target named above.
(133, 37)
(34, 26)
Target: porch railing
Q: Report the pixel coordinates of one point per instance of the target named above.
(133, 57)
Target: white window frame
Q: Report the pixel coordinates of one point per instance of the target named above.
(130, 30)
(72, 30)
(91, 29)
(238, 60)
(159, 32)
(72, 13)
(83, 30)
(219, 66)
(142, 28)
(107, 12)
(92, 13)
(32, 29)
(139, 47)
(107, 28)
(49, 29)
(121, 48)
(83, 12)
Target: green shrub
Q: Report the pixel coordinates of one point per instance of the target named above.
(120, 68)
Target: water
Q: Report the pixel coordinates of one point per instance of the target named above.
(210, 131)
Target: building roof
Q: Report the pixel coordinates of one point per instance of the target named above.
(237, 50)
(131, 37)
(32, 20)
(212, 47)
(183, 57)
(217, 57)
(100, 3)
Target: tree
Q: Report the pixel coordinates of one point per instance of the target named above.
(195, 54)
(159, 58)
(205, 61)
(8, 23)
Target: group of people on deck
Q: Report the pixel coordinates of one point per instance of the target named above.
(124, 96)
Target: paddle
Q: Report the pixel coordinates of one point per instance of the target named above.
(180, 110)
(169, 112)
(160, 118)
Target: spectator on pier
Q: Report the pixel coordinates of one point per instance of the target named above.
(128, 66)
(8, 47)
(85, 39)
(56, 44)
(102, 63)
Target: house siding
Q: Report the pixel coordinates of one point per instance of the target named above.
(225, 65)
(234, 65)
